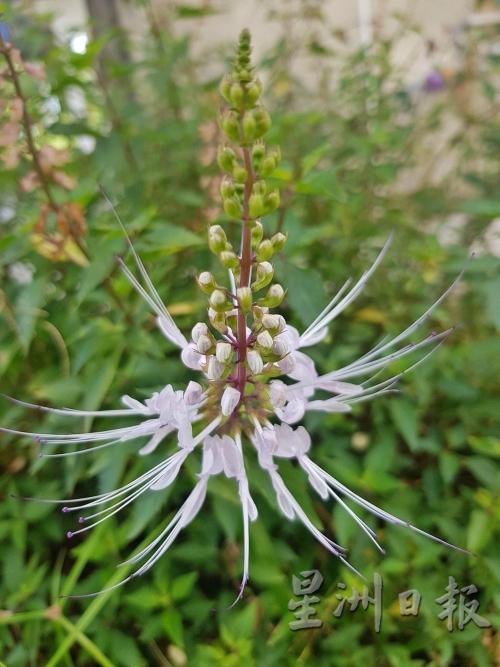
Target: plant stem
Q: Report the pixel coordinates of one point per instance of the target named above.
(5, 50)
(245, 273)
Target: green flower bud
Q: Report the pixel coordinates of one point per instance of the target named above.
(206, 282)
(245, 74)
(253, 91)
(249, 127)
(272, 201)
(245, 298)
(226, 158)
(236, 95)
(217, 239)
(259, 188)
(264, 275)
(229, 259)
(226, 188)
(233, 208)
(275, 295)
(262, 120)
(267, 166)
(256, 206)
(257, 233)
(219, 301)
(265, 250)
(258, 313)
(230, 125)
(258, 154)
(278, 240)
(218, 321)
(225, 87)
(240, 174)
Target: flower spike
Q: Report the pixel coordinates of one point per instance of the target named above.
(254, 379)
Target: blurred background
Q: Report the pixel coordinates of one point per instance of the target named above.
(387, 113)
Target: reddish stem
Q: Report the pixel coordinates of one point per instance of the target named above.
(245, 274)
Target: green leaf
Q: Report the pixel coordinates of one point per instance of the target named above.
(491, 290)
(172, 624)
(183, 585)
(405, 418)
(478, 530)
(305, 291)
(169, 239)
(28, 309)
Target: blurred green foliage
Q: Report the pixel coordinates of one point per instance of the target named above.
(361, 154)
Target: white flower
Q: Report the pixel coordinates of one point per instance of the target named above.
(184, 416)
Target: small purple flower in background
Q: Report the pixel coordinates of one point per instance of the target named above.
(256, 383)
(434, 82)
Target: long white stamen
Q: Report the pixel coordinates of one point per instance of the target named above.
(377, 511)
(357, 289)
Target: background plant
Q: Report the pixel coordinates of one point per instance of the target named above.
(359, 159)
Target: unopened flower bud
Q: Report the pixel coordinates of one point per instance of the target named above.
(233, 208)
(199, 329)
(230, 399)
(226, 188)
(218, 320)
(249, 126)
(193, 393)
(259, 187)
(206, 282)
(236, 95)
(245, 298)
(226, 158)
(215, 369)
(253, 91)
(275, 295)
(262, 121)
(229, 259)
(275, 323)
(280, 347)
(256, 206)
(257, 233)
(258, 312)
(218, 301)
(230, 125)
(272, 201)
(204, 344)
(264, 275)
(255, 363)
(225, 87)
(265, 340)
(278, 240)
(217, 239)
(258, 154)
(265, 250)
(223, 352)
(240, 174)
(267, 166)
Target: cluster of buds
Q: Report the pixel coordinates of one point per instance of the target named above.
(245, 344)
(60, 229)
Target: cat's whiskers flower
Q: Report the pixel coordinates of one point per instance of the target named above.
(255, 379)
